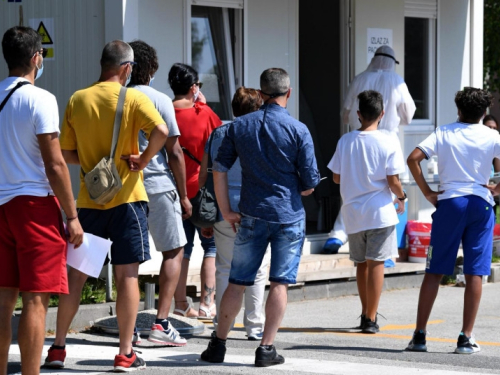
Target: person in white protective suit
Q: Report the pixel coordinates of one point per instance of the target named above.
(399, 110)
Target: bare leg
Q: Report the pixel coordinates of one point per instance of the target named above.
(207, 275)
(472, 297)
(169, 276)
(230, 307)
(68, 305)
(127, 303)
(180, 292)
(374, 285)
(428, 294)
(31, 334)
(275, 310)
(361, 280)
(8, 299)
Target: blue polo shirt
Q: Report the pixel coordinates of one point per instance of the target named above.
(277, 162)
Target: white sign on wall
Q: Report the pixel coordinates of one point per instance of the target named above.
(45, 27)
(375, 39)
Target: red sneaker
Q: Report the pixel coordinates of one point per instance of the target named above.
(56, 358)
(125, 364)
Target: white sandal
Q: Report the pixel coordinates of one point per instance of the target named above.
(184, 312)
(207, 313)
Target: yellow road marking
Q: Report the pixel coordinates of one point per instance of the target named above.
(335, 331)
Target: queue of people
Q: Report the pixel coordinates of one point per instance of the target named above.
(262, 163)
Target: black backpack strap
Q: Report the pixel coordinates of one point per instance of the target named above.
(19, 84)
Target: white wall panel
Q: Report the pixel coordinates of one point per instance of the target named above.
(453, 56)
(381, 14)
(78, 41)
(162, 26)
(272, 41)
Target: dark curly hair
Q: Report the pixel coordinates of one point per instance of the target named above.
(245, 100)
(472, 103)
(147, 63)
(181, 77)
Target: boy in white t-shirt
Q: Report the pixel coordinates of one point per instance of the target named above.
(463, 213)
(367, 164)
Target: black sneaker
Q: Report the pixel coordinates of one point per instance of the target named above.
(466, 345)
(370, 326)
(266, 356)
(362, 322)
(215, 351)
(417, 343)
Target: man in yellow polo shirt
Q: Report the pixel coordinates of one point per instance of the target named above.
(86, 136)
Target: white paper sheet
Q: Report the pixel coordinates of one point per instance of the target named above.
(89, 257)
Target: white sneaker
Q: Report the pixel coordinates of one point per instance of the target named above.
(136, 338)
(170, 337)
(466, 345)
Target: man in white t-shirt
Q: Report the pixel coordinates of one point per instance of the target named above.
(367, 164)
(34, 180)
(464, 210)
(399, 108)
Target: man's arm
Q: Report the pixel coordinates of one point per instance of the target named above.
(413, 162)
(397, 189)
(178, 167)
(336, 178)
(202, 177)
(71, 156)
(58, 175)
(157, 140)
(222, 195)
(306, 164)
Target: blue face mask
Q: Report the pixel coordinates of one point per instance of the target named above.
(128, 80)
(39, 72)
(151, 79)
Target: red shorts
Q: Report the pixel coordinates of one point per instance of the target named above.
(33, 245)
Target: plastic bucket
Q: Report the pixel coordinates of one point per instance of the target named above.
(419, 238)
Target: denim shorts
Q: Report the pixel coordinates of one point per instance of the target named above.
(208, 244)
(252, 240)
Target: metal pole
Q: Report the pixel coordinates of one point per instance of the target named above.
(109, 280)
(149, 296)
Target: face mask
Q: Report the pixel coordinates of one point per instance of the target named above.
(128, 79)
(39, 72)
(151, 79)
(197, 93)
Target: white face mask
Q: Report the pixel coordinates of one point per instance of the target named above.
(196, 94)
(151, 79)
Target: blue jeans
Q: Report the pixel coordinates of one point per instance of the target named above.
(252, 240)
(208, 244)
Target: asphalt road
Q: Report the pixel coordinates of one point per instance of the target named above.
(315, 339)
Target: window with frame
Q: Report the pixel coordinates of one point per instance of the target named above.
(216, 53)
(420, 57)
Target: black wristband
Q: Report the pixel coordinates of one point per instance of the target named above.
(404, 198)
(71, 218)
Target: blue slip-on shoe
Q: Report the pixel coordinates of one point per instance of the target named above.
(332, 246)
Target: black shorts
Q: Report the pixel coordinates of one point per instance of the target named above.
(125, 225)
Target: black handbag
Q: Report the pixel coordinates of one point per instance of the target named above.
(205, 209)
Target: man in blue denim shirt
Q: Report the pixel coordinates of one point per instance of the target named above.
(278, 165)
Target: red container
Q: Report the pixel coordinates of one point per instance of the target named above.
(419, 238)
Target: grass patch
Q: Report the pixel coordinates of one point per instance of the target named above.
(448, 280)
(495, 259)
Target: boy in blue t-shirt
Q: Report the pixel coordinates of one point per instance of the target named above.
(366, 164)
(463, 213)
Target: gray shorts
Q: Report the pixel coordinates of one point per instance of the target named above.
(372, 244)
(165, 221)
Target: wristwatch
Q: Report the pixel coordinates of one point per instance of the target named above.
(404, 198)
